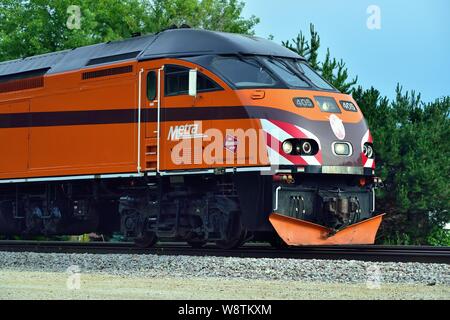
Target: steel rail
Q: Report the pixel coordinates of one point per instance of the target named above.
(425, 254)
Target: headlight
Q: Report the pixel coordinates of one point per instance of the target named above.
(306, 148)
(287, 147)
(342, 148)
(300, 147)
(327, 104)
(368, 151)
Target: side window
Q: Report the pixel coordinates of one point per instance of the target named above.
(151, 85)
(177, 81)
(206, 84)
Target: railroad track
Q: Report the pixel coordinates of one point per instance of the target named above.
(252, 250)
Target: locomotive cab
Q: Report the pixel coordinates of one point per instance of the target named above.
(317, 158)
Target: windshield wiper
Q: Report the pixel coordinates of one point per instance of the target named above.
(287, 67)
(246, 60)
(297, 68)
(297, 72)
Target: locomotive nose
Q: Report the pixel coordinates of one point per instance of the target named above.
(311, 128)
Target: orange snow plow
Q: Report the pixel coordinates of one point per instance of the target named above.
(296, 232)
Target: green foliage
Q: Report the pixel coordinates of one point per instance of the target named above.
(410, 139)
(398, 239)
(220, 15)
(439, 237)
(336, 73)
(306, 48)
(331, 69)
(411, 143)
(31, 27)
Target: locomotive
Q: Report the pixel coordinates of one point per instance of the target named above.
(183, 135)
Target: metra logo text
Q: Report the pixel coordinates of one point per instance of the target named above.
(187, 131)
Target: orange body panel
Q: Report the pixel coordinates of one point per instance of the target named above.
(109, 147)
(14, 141)
(60, 150)
(299, 232)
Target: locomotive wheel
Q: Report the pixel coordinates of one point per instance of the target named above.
(147, 241)
(7, 224)
(236, 233)
(276, 242)
(197, 244)
(233, 243)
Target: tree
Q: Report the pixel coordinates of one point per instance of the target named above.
(331, 69)
(31, 27)
(219, 15)
(410, 140)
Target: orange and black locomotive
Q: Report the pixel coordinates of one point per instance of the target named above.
(186, 135)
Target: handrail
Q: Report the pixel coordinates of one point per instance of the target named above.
(159, 121)
(139, 122)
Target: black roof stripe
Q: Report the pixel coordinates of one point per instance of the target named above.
(169, 43)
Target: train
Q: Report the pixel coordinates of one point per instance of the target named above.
(184, 135)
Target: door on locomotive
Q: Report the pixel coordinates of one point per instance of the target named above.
(151, 104)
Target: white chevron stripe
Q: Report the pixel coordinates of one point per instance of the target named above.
(275, 131)
(281, 135)
(364, 139)
(275, 158)
(368, 163)
(311, 160)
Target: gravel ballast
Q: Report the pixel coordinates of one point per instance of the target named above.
(153, 266)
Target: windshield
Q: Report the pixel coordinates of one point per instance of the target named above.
(263, 72)
(243, 72)
(309, 73)
(287, 72)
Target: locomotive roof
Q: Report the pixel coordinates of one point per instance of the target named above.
(170, 43)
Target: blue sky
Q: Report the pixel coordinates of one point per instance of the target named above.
(411, 48)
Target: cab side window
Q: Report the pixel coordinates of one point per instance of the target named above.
(151, 85)
(177, 81)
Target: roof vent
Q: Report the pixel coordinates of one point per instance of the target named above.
(117, 57)
(106, 72)
(21, 84)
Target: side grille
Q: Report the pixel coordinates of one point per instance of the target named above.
(22, 84)
(107, 72)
